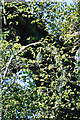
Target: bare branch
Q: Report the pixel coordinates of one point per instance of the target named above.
(12, 56)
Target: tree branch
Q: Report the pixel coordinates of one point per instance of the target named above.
(12, 56)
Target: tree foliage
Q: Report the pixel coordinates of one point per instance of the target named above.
(40, 41)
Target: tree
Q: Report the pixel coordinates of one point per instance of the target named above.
(42, 42)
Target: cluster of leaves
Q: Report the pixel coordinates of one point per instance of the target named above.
(51, 63)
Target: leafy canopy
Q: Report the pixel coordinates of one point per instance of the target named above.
(40, 40)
